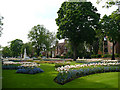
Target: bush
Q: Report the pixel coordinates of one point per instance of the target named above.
(29, 70)
(62, 57)
(64, 77)
(39, 58)
(61, 64)
(107, 56)
(98, 56)
(93, 56)
(87, 55)
(116, 55)
(29, 60)
(57, 56)
(69, 60)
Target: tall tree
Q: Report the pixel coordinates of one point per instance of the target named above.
(111, 29)
(1, 25)
(6, 52)
(40, 38)
(50, 40)
(15, 47)
(77, 21)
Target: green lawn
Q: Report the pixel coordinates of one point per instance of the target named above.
(45, 79)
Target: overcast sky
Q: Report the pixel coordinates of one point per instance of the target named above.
(21, 15)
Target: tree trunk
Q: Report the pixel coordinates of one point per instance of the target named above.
(38, 52)
(113, 55)
(47, 54)
(74, 53)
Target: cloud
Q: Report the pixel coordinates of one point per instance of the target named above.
(21, 15)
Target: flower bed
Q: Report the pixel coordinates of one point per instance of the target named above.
(11, 67)
(88, 61)
(66, 76)
(50, 62)
(68, 67)
(29, 70)
(110, 61)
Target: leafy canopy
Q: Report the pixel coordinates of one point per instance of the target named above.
(76, 21)
(41, 38)
(15, 47)
(110, 27)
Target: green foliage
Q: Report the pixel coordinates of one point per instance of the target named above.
(87, 55)
(77, 21)
(98, 56)
(62, 57)
(117, 55)
(93, 56)
(111, 28)
(41, 38)
(39, 58)
(107, 56)
(108, 3)
(15, 47)
(61, 64)
(6, 52)
(57, 56)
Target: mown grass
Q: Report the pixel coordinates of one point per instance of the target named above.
(11, 79)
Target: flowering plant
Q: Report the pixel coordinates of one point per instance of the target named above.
(29, 70)
(68, 67)
(64, 77)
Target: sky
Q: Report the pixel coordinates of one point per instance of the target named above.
(21, 15)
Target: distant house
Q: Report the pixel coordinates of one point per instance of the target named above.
(59, 49)
(107, 47)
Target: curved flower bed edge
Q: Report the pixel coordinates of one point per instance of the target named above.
(65, 77)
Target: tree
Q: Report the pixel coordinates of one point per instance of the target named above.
(1, 25)
(110, 27)
(15, 47)
(108, 3)
(50, 40)
(77, 21)
(41, 38)
(6, 52)
(29, 49)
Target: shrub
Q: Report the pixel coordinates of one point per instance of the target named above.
(107, 56)
(93, 56)
(37, 61)
(98, 56)
(116, 55)
(29, 70)
(87, 55)
(57, 56)
(62, 57)
(69, 60)
(39, 58)
(29, 60)
(61, 64)
(66, 76)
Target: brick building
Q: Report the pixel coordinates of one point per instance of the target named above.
(59, 49)
(107, 47)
